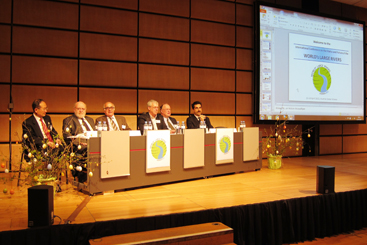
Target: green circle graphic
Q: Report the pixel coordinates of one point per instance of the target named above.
(159, 149)
(225, 144)
(322, 79)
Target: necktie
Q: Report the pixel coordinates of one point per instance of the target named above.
(113, 124)
(45, 130)
(85, 124)
(170, 124)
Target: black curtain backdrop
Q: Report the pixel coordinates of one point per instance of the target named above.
(278, 222)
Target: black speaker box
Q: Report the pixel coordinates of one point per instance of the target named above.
(325, 181)
(40, 205)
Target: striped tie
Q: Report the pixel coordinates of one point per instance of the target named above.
(113, 124)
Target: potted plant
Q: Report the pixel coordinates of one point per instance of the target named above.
(279, 139)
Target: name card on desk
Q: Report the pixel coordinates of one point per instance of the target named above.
(158, 151)
(115, 154)
(135, 133)
(224, 145)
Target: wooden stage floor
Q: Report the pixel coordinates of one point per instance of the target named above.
(297, 178)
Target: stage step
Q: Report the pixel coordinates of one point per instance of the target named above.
(208, 233)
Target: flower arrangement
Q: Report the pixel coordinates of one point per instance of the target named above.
(44, 164)
(281, 138)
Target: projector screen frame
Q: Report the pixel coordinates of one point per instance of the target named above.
(257, 74)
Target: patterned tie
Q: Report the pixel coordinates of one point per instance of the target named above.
(170, 124)
(113, 124)
(45, 130)
(85, 124)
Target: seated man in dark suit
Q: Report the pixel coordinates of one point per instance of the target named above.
(38, 127)
(77, 124)
(151, 116)
(38, 130)
(193, 121)
(169, 122)
(114, 123)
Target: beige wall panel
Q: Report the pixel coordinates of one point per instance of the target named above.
(131, 121)
(129, 4)
(124, 99)
(245, 37)
(354, 144)
(245, 15)
(330, 129)
(5, 97)
(214, 33)
(108, 20)
(157, 51)
(5, 69)
(176, 99)
(107, 47)
(58, 99)
(211, 56)
(215, 103)
(115, 74)
(46, 13)
(330, 145)
(44, 70)
(5, 11)
(248, 120)
(212, 79)
(244, 104)
(16, 155)
(165, 27)
(213, 10)
(222, 121)
(168, 77)
(45, 42)
(354, 129)
(244, 59)
(244, 81)
(5, 38)
(178, 8)
(4, 128)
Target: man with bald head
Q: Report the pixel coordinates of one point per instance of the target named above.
(114, 123)
(77, 123)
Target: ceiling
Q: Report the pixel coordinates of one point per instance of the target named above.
(357, 3)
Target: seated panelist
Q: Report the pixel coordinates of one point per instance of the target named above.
(114, 123)
(151, 116)
(193, 121)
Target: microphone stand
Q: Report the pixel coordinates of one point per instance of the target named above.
(10, 109)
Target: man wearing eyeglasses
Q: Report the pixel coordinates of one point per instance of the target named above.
(151, 116)
(38, 127)
(114, 123)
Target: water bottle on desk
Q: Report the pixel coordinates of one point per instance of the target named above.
(183, 127)
(99, 128)
(104, 126)
(150, 125)
(177, 127)
(202, 124)
(146, 128)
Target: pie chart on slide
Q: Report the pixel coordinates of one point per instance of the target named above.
(322, 79)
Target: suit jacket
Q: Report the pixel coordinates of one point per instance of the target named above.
(120, 121)
(31, 128)
(72, 123)
(173, 120)
(145, 117)
(193, 122)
